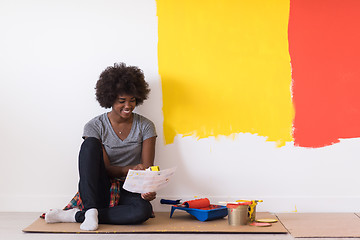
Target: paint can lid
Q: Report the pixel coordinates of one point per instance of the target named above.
(267, 220)
(235, 205)
(260, 224)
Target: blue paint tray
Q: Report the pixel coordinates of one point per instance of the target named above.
(215, 212)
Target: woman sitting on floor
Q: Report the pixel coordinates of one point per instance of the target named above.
(114, 142)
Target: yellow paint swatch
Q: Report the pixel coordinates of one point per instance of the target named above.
(225, 68)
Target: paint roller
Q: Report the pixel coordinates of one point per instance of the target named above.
(197, 203)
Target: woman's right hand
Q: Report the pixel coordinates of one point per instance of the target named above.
(139, 167)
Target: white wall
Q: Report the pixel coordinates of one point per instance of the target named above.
(51, 54)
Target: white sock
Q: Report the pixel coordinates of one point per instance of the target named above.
(91, 220)
(58, 215)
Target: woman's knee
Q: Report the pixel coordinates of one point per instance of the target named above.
(91, 145)
(91, 149)
(91, 142)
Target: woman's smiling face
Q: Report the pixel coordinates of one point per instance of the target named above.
(124, 106)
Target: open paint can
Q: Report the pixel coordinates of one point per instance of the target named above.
(238, 213)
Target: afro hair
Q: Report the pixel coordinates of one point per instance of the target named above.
(121, 80)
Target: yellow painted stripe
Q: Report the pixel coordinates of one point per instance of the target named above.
(225, 68)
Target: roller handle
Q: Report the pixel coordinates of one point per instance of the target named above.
(170, 202)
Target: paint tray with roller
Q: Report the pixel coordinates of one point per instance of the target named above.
(201, 209)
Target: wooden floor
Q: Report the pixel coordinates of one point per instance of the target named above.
(12, 224)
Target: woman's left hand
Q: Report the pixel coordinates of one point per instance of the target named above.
(148, 196)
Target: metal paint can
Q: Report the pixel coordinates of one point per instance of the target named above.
(238, 214)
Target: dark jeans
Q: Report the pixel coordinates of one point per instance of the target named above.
(94, 188)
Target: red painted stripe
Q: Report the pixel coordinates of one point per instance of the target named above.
(324, 45)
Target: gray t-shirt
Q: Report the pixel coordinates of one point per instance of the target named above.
(121, 152)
